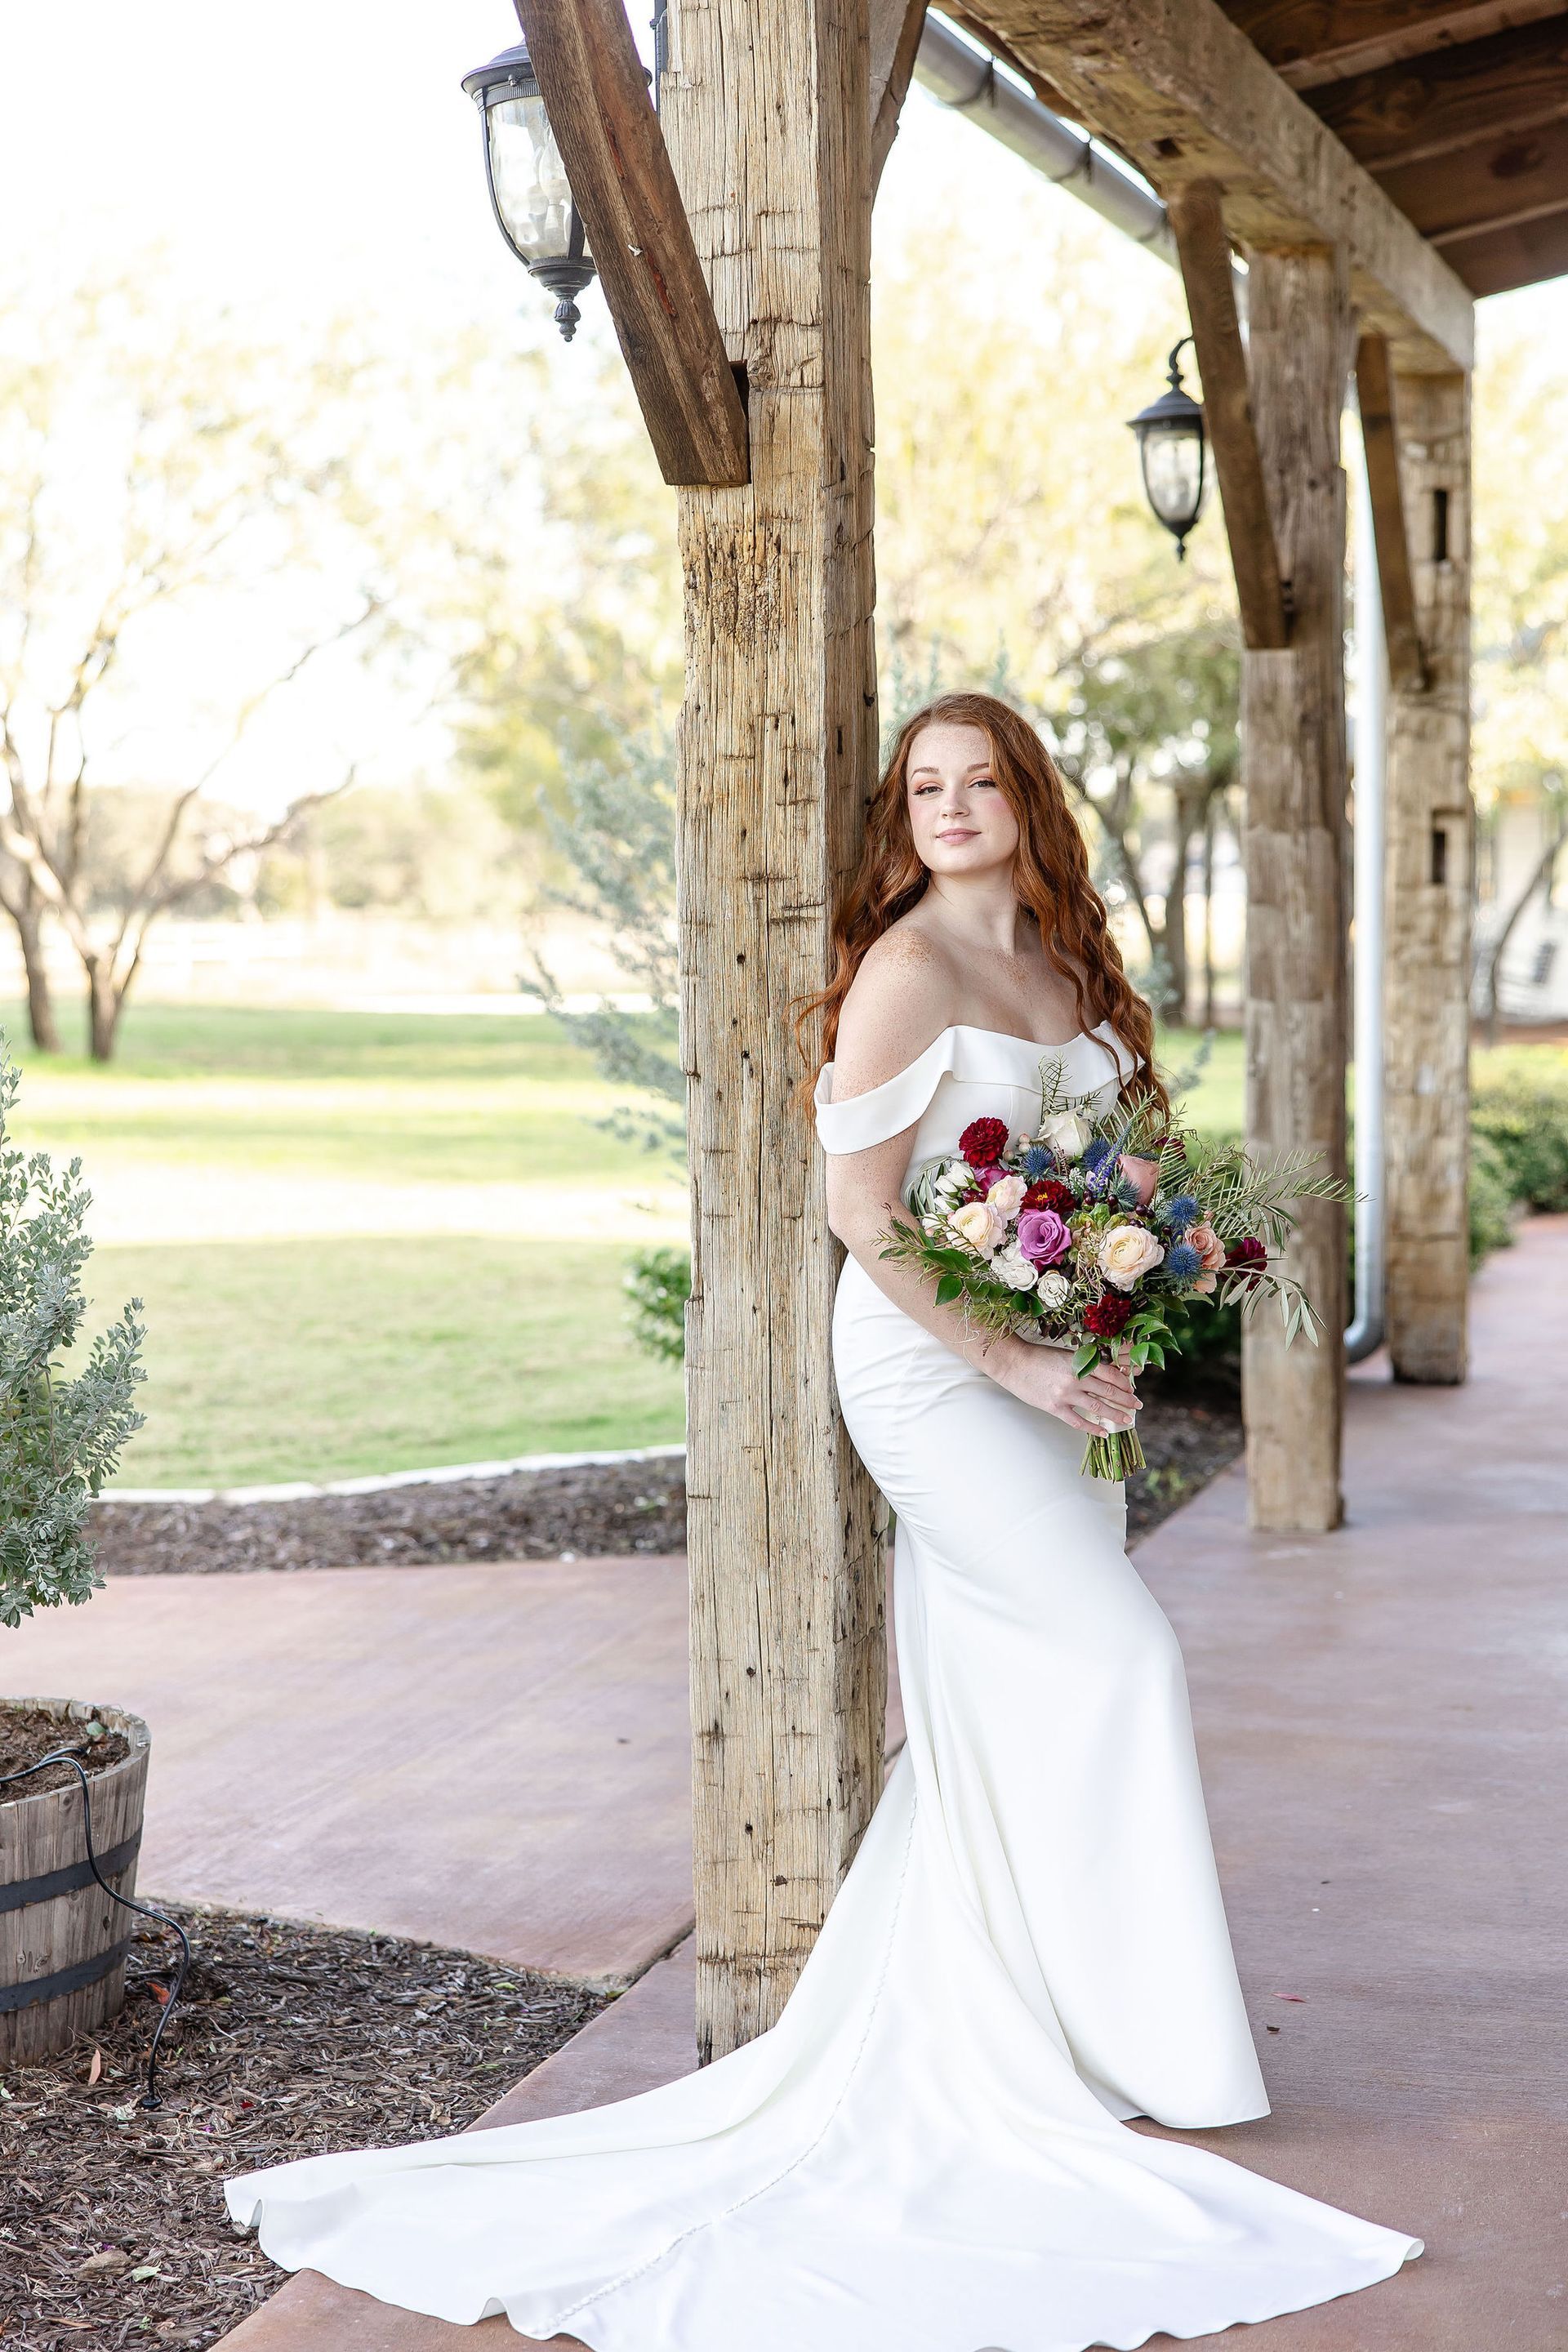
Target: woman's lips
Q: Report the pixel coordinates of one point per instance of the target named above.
(960, 833)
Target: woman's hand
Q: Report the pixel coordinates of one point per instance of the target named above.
(1104, 1399)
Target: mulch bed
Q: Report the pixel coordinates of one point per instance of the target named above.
(290, 2041)
(602, 1509)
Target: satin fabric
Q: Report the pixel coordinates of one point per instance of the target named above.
(927, 2153)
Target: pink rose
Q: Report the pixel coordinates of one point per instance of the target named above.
(1208, 1246)
(1203, 1284)
(1042, 1236)
(1141, 1174)
(1005, 1194)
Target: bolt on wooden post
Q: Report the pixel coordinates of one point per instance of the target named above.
(765, 112)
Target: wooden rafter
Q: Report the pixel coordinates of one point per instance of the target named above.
(1520, 255)
(1450, 98)
(596, 96)
(1374, 394)
(896, 29)
(1511, 177)
(1198, 225)
(1174, 84)
(1309, 42)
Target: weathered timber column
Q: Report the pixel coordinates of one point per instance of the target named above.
(1294, 774)
(1430, 848)
(765, 112)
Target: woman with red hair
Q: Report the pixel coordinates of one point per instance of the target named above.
(929, 2151)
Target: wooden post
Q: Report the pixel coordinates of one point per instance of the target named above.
(1430, 851)
(1294, 773)
(765, 108)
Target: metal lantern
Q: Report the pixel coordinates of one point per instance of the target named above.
(530, 193)
(1172, 450)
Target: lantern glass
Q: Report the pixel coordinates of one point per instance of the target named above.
(529, 179)
(1175, 475)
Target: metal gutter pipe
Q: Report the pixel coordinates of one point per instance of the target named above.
(1370, 756)
(966, 78)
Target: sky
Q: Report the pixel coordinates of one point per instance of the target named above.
(316, 157)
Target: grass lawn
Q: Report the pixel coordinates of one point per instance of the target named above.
(277, 1351)
(340, 1225)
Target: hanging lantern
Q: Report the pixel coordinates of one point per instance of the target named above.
(530, 194)
(1172, 450)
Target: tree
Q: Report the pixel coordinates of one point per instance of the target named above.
(1156, 716)
(181, 540)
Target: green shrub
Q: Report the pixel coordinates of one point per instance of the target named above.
(1520, 1110)
(659, 1284)
(60, 1437)
(1492, 1203)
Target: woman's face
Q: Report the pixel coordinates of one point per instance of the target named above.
(958, 813)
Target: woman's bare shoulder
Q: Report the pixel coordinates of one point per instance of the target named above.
(900, 1001)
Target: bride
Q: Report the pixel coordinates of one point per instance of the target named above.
(929, 2152)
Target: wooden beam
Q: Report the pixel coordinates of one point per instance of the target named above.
(896, 30)
(596, 97)
(1198, 225)
(1501, 86)
(1496, 261)
(766, 112)
(1374, 396)
(1499, 183)
(1309, 42)
(1430, 857)
(1173, 84)
(1295, 782)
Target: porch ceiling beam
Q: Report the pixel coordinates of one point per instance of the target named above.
(1374, 396)
(896, 29)
(1174, 85)
(595, 94)
(1309, 42)
(1431, 105)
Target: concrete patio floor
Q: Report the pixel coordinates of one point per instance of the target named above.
(1379, 1714)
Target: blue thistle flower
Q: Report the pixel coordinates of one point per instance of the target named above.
(1098, 1153)
(1182, 1212)
(1037, 1162)
(1183, 1261)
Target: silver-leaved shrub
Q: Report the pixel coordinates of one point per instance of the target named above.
(60, 1435)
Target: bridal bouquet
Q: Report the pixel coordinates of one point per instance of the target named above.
(1089, 1230)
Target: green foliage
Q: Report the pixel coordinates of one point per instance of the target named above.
(1521, 1108)
(1491, 1199)
(659, 1284)
(60, 1437)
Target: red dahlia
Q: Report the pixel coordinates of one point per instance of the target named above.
(1048, 1193)
(983, 1141)
(1107, 1316)
(1248, 1251)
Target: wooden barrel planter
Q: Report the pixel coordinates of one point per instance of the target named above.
(62, 1941)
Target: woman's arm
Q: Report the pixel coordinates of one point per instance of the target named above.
(900, 1004)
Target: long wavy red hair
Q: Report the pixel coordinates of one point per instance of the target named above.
(1050, 874)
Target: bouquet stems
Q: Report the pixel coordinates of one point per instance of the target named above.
(1112, 1454)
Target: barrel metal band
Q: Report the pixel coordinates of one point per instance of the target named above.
(50, 1883)
(64, 1980)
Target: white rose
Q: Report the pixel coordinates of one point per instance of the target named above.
(955, 1179)
(972, 1225)
(1065, 1133)
(1015, 1269)
(1006, 1195)
(1052, 1287)
(1126, 1253)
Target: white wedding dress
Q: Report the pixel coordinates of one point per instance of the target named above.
(924, 2154)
